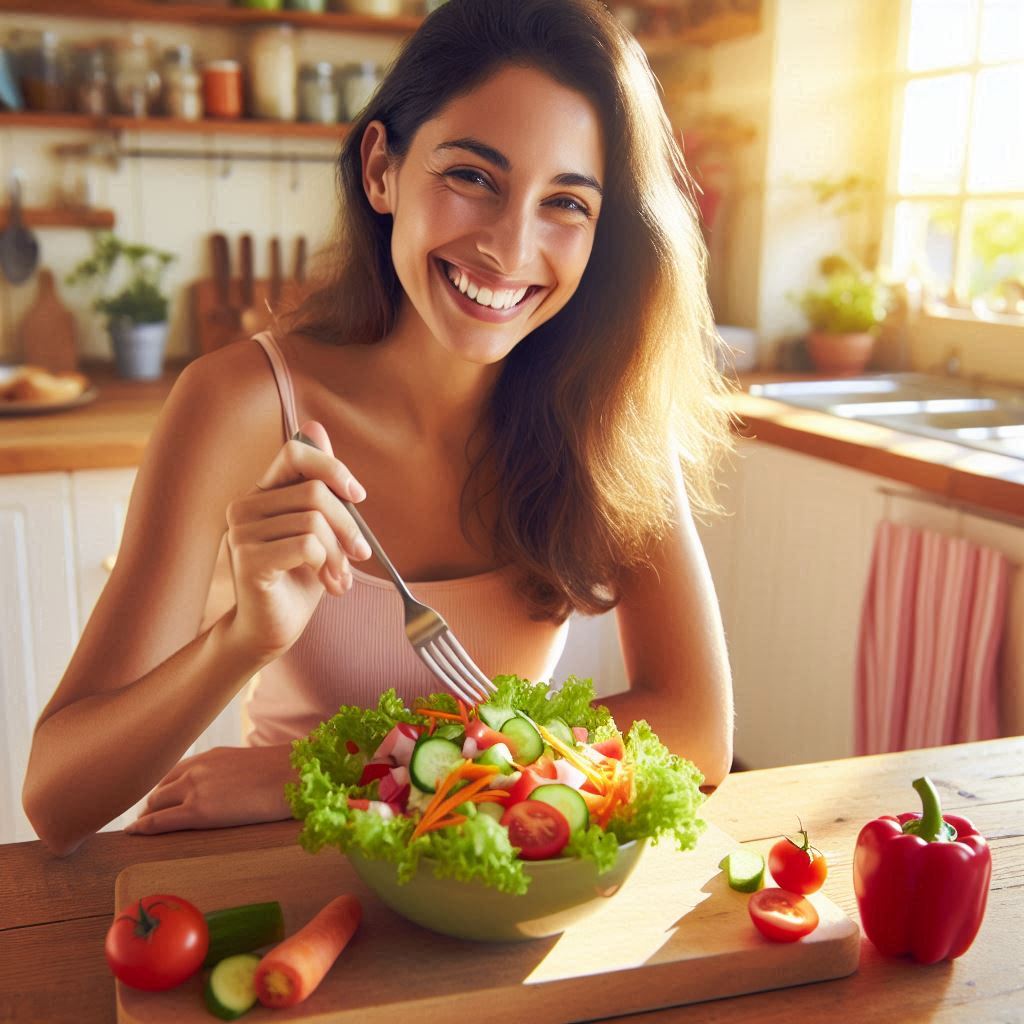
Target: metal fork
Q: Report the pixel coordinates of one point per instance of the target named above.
(431, 637)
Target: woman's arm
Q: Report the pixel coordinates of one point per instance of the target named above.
(673, 646)
(143, 682)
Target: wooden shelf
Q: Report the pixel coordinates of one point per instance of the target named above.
(194, 14)
(207, 126)
(59, 217)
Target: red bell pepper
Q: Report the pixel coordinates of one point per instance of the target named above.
(922, 881)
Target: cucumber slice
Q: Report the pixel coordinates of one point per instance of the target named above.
(499, 756)
(565, 799)
(744, 869)
(230, 990)
(524, 739)
(241, 929)
(432, 759)
(559, 728)
(494, 716)
(491, 810)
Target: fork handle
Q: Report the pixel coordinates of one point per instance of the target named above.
(367, 533)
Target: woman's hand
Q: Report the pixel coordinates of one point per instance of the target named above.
(218, 788)
(290, 539)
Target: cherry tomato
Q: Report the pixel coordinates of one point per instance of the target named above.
(157, 943)
(613, 748)
(538, 829)
(484, 735)
(527, 782)
(782, 916)
(545, 766)
(798, 867)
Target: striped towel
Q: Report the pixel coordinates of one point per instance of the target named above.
(931, 631)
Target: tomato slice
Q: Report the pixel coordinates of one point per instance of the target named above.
(521, 789)
(538, 829)
(613, 748)
(782, 916)
(484, 735)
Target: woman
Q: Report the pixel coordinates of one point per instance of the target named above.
(505, 366)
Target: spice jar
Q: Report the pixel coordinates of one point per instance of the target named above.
(222, 88)
(93, 86)
(273, 73)
(43, 71)
(319, 100)
(360, 82)
(136, 81)
(183, 87)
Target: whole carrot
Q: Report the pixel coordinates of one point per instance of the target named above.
(293, 969)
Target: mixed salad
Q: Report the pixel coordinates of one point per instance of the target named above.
(528, 775)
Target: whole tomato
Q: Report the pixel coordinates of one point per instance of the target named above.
(798, 867)
(158, 944)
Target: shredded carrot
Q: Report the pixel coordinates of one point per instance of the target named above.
(455, 819)
(445, 801)
(432, 713)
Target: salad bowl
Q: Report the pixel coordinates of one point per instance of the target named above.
(562, 892)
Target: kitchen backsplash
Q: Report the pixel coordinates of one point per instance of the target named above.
(174, 204)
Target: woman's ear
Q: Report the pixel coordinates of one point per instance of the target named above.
(374, 152)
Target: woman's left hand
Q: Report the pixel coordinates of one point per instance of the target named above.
(218, 788)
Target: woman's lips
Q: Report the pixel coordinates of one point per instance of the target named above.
(467, 294)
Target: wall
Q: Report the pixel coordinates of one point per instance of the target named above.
(176, 204)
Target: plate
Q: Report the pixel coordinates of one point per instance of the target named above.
(90, 394)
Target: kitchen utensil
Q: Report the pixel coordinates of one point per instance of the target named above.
(429, 634)
(674, 934)
(300, 261)
(250, 316)
(275, 274)
(47, 335)
(19, 250)
(222, 319)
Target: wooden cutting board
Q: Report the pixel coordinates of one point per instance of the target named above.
(675, 933)
(48, 335)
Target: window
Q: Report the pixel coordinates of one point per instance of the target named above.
(955, 199)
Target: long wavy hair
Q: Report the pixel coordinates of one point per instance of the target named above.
(591, 407)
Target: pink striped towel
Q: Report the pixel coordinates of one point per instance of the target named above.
(931, 631)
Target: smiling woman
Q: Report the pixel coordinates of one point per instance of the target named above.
(509, 351)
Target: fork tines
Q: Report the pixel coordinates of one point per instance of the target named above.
(447, 658)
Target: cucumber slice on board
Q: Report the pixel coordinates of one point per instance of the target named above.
(524, 740)
(432, 759)
(242, 929)
(744, 869)
(565, 799)
(230, 989)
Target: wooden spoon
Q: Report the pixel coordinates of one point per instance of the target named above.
(251, 319)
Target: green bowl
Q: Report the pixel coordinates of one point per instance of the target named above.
(562, 892)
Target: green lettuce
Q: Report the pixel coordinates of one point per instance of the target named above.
(330, 761)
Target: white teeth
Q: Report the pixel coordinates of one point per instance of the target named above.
(501, 299)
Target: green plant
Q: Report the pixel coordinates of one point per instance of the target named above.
(847, 300)
(128, 277)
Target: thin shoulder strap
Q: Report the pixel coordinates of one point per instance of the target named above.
(283, 379)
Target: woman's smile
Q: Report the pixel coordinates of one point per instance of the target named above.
(482, 297)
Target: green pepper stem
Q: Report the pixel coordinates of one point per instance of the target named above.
(930, 826)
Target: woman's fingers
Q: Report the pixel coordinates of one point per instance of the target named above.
(294, 524)
(299, 461)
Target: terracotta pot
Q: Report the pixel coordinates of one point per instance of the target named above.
(840, 353)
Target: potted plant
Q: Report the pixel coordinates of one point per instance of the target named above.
(128, 276)
(844, 310)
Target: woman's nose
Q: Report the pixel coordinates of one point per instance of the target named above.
(509, 239)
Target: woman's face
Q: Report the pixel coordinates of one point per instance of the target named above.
(494, 210)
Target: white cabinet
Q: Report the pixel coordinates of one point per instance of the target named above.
(58, 532)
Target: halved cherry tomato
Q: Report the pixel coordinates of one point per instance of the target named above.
(782, 916)
(484, 735)
(798, 867)
(611, 748)
(538, 829)
(157, 943)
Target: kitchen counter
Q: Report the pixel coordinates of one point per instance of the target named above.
(112, 433)
(54, 913)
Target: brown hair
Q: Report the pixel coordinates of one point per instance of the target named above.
(590, 407)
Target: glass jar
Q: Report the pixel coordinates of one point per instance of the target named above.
(43, 71)
(183, 86)
(136, 81)
(319, 100)
(93, 84)
(222, 88)
(360, 82)
(273, 73)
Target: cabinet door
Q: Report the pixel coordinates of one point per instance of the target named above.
(38, 621)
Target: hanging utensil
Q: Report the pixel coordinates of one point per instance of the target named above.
(251, 319)
(275, 275)
(300, 261)
(19, 249)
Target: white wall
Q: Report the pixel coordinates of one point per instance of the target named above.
(176, 205)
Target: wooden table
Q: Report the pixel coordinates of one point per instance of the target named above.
(54, 913)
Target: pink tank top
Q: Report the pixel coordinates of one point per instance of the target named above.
(354, 646)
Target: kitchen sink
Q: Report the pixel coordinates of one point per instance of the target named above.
(974, 414)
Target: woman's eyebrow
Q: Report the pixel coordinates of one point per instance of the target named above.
(499, 160)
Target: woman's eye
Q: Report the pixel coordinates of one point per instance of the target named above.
(470, 176)
(571, 205)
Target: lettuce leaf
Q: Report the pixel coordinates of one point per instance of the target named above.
(667, 794)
